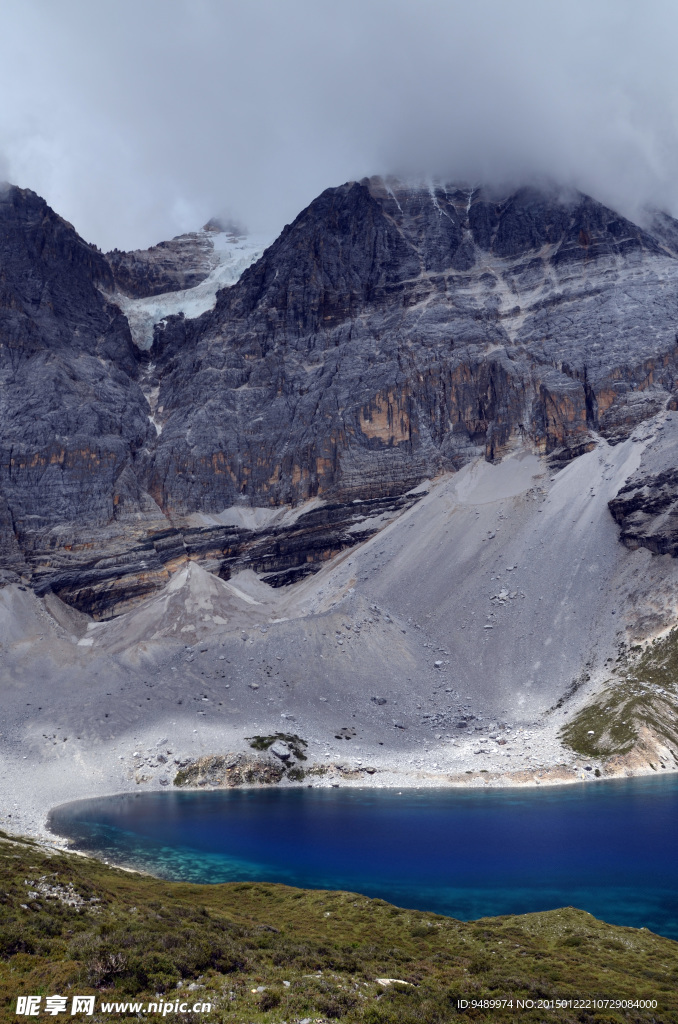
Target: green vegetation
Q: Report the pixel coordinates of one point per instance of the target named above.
(245, 769)
(294, 742)
(229, 770)
(132, 936)
(647, 695)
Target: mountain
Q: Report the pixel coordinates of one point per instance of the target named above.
(390, 334)
(73, 414)
(180, 276)
(405, 477)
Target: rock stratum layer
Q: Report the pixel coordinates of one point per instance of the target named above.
(389, 334)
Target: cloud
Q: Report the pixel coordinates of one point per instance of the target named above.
(138, 120)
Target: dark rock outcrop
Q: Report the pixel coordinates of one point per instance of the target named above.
(646, 507)
(647, 511)
(183, 262)
(106, 583)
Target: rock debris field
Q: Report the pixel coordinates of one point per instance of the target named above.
(449, 649)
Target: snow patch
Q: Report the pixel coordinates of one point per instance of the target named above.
(234, 254)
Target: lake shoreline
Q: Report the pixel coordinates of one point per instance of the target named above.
(41, 800)
(608, 850)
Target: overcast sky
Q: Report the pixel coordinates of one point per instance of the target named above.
(139, 119)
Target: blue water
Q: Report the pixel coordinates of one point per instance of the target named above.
(610, 848)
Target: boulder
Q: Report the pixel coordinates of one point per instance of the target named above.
(280, 750)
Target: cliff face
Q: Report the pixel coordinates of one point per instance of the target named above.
(73, 418)
(390, 333)
(646, 507)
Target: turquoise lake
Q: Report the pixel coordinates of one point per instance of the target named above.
(610, 848)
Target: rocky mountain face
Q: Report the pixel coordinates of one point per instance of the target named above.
(73, 415)
(183, 262)
(389, 334)
(646, 507)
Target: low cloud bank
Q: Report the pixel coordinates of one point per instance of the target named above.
(139, 121)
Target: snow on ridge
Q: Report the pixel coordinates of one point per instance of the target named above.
(234, 255)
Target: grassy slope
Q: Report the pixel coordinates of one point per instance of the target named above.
(143, 935)
(645, 693)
